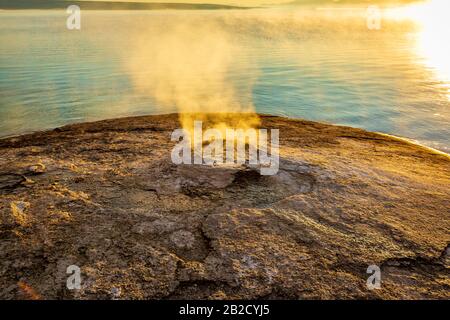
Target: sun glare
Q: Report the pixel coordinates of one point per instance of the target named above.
(433, 39)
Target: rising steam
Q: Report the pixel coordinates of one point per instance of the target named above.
(186, 64)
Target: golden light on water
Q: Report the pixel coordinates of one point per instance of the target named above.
(433, 39)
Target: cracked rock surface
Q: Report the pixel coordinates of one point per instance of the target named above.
(106, 197)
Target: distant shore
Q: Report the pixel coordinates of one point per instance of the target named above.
(106, 5)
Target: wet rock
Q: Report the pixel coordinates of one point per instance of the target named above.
(16, 216)
(158, 226)
(10, 180)
(182, 239)
(37, 168)
(217, 177)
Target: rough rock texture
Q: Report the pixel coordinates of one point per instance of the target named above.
(105, 196)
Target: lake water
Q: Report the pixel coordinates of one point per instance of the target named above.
(320, 65)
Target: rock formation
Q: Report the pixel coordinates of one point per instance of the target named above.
(106, 197)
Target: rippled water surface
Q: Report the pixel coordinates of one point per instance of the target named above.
(310, 64)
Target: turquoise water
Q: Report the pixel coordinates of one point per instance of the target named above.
(308, 64)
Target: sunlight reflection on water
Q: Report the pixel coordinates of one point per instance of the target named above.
(312, 65)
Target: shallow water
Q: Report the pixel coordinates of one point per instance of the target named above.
(310, 64)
